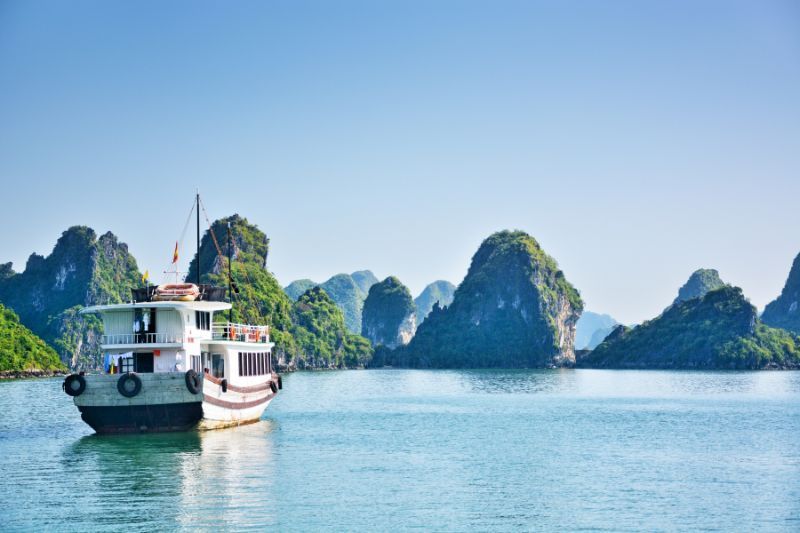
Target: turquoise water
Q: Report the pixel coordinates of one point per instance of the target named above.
(431, 450)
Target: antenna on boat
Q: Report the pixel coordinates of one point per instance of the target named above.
(230, 274)
(197, 207)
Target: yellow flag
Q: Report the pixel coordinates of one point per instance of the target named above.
(145, 276)
(175, 253)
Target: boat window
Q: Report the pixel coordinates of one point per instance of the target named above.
(217, 365)
(196, 364)
(202, 319)
(144, 324)
(205, 360)
(143, 362)
(125, 364)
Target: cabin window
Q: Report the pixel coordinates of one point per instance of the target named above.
(144, 324)
(143, 363)
(125, 364)
(217, 365)
(197, 365)
(202, 319)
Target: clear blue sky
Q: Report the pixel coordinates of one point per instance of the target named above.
(637, 141)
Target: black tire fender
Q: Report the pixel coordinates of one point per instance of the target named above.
(193, 381)
(122, 384)
(69, 384)
(273, 387)
(280, 382)
(224, 385)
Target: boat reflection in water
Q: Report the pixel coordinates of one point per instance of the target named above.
(195, 479)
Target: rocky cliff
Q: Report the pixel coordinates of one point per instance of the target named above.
(389, 317)
(784, 311)
(699, 284)
(81, 270)
(440, 292)
(514, 309)
(720, 330)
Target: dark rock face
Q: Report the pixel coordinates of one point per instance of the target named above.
(699, 283)
(514, 309)
(784, 311)
(591, 329)
(389, 314)
(81, 270)
(720, 330)
(440, 292)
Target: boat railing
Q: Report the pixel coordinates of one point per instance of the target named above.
(230, 331)
(142, 338)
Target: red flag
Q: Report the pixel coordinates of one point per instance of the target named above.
(175, 254)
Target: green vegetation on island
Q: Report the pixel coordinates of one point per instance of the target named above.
(440, 292)
(389, 314)
(321, 337)
(349, 297)
(21, 351)
(699, 284)
(514, 309)
(296, 288)
(348, 291)
(306, 333)
(364, 279)
(719, 330)
(784, 311)
(81, 270)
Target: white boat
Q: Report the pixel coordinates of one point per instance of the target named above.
(174, 366)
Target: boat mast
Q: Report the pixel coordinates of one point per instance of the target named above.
(197, 208)
(230, 275)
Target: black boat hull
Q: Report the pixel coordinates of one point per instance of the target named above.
(156, 418)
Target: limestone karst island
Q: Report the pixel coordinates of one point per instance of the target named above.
(368, 266)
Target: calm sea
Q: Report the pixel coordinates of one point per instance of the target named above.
(430, 450)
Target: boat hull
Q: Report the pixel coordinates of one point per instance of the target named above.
(164, 403)
(154, 418)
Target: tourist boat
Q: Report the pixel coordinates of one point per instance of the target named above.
(173, 365)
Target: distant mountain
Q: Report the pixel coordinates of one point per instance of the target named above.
(298, 287)
(344, 291)
(514, 309)
(438, 291)
(699, 283)
(348, 291)
(591, 329)
(364, 279)
(21, 350)
(784, 311)
(81, 270)
(389, 314)
(321, 336)
(720, 330)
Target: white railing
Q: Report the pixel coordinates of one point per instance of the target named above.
(240, 332)
(142, 338)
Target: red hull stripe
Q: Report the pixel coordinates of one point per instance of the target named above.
(235, 388)
(237, 405)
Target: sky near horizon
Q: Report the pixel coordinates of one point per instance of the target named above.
(636, 141)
